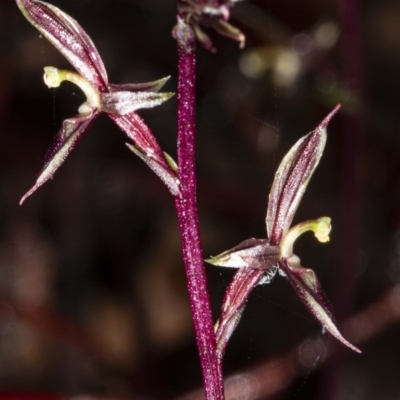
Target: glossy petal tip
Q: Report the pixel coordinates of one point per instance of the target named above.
(29, 193)
(324, 123)
(352, 347)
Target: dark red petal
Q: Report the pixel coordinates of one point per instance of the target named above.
(71, 131)
(69, 38)
(233, 304)
(307, 287)
(255, 258)
(121, 103)
(147, 148)
(140, 134)
(235, 300)
(251, 253)
(167, 175)
(291, 179)
(154, 86)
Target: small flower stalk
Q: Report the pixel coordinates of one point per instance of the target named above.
(258, 260)
(212, 14)
(119, 101)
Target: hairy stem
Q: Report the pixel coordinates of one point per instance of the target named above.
(187, 214)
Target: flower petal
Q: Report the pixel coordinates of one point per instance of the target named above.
(291, 179)
(71, 131)
(167, 175)
(69, 38)
(307, 287)
(147, 148)
(121, 103)
(251, 253)
(140, 134)
(154, 86)
(257, 262)
(233, 304)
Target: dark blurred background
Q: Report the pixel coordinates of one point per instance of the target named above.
(92, 289)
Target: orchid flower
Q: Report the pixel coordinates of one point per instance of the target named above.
(120, 102)
(210, 14)
(258, 260)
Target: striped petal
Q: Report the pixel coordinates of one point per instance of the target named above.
(291, 180)
(307, 287)
(153, 86)
(234, 302)
(69, 38)
(121, 103)
(251, 253)
(71, 131)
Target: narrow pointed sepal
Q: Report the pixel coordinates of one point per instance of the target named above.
(166, 174)
(139, 133)
(225, 328)
(308, 289)
(210, 14)
(69, 38)
(256, 261)
(148, 149)
(71, 131)
(154, 86)
(291, 179)
(234, 303)
(251, 253)
(122, 103)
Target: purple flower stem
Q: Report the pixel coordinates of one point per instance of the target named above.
(186, 208)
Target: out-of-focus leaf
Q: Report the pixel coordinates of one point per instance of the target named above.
(233, 304)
